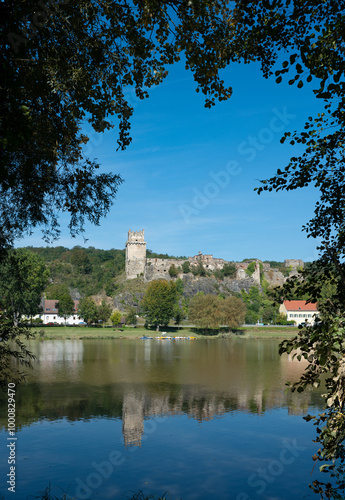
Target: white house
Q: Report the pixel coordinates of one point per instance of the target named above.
(50, 313)
(299, 311)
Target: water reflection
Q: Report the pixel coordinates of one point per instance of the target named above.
(200, 420)
(137, 380)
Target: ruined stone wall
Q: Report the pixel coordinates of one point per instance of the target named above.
(294, 263)
(208, 261)
(155, 268)
(159, 268)
(274, 277)
(241, 274)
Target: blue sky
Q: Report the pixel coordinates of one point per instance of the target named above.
(190, 172)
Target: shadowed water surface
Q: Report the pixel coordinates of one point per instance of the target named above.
(199, 419)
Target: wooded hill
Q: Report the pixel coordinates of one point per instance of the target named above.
(87, 271)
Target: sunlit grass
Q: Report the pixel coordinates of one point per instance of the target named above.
(84, 332)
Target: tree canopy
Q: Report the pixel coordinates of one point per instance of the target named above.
(233, 311)
(23, 277)
(115, 317)
(67, 64)
(65, 306)
(87, 310)
(104, 312)
(204, 311)
(159, 302)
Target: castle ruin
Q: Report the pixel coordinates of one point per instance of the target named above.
(154, 268)
(135, 254)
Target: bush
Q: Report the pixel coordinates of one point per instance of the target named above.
(186, 267)
(251, 268)
(173, 271)
(37, 321)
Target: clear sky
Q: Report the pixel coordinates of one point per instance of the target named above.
(190, 172)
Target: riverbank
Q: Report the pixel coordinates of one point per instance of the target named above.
(83, 332)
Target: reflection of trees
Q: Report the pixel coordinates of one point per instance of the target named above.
(133, 382)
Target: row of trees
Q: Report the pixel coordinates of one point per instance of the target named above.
(163, 302)
(97, 314)
(100, 314)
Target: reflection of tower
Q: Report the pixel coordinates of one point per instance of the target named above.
(135, 254)
(132, 419)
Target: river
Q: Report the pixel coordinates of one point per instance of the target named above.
(202, 419)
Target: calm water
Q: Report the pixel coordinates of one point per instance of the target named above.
(199, 419)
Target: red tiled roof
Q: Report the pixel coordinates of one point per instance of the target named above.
(299, 305)
(50, 306)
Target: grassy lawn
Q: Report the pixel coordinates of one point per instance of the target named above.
(83, 332)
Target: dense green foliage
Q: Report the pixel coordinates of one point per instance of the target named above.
(228, 271)
(104, 312)
(153, 255)
(14, 354)
(115, 318)
(233, 311)
(88, 310)
(23, 277)
(186, 267)
(131, 317)
(159, 302)
(261, 308)
(198, 270)
(204, 311)
(209, 312)
(87, 270)
(100, 50)
(173, 271)
(65, 306)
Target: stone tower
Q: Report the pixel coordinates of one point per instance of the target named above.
(135, 254)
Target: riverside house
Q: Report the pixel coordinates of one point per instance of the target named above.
(50, 313)
(299, 311)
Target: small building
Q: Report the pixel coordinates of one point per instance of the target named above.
(299, 311)
(50, 313)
